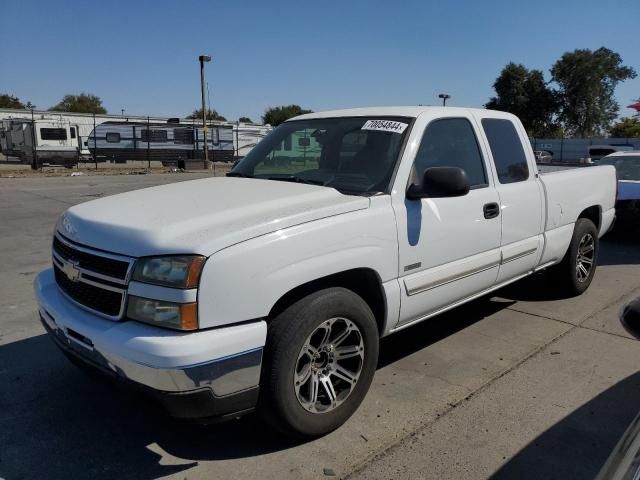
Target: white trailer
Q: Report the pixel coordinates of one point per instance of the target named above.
(41, 141)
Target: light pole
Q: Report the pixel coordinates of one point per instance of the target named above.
(203, 59)
(444, 97)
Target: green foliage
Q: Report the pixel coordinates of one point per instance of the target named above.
(525, 94)
(277, 115)
(83, 103)
(211, 115)
(10, 101)
(626, 128)
(586, 83)
(245, 120)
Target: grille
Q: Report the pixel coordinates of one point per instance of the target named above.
(104, 301)
(88, 261)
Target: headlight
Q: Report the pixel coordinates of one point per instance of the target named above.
(178, 271)
(180, 316)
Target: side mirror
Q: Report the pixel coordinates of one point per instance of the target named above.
(630, 318)
(440, 182)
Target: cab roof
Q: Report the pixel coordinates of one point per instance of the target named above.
(407, 111)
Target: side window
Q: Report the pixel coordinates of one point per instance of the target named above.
(451, 142)
(507, 151)
(112, 137)
(157, 136)
(183, 136)
(53, 133)
(72, 130)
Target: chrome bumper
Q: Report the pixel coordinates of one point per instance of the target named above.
(159, 361)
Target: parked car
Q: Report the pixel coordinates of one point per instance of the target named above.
(627, 165)
(543, 156)
(271, 288)
(596, 152)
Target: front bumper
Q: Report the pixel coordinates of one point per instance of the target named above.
(208, 373)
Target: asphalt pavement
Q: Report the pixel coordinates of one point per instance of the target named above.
(522, 384)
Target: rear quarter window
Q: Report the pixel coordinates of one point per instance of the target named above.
(506, 149)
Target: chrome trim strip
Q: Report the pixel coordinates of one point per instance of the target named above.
(402, 326)
(518, 255)
(102, 285)
(451, 278)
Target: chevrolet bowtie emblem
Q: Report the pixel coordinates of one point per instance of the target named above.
(70, 269)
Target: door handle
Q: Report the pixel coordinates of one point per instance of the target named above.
(491, 210)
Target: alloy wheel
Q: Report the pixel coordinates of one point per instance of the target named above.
(329, 365)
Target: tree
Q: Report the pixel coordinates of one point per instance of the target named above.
(245, 120)
(524, 93)
(626, 128)
(10, 101)
(211, 115)
(277, 115)
(83, 103)
(586, 83)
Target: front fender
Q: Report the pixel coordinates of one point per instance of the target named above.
(244, 281)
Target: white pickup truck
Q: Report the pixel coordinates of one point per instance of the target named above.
(270, 289)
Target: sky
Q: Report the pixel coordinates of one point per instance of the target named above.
(142, 56)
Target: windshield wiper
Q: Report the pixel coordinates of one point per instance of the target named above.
(239, 174)
(294, 178)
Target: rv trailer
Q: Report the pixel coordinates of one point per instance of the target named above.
(174, 144)
(40, 141)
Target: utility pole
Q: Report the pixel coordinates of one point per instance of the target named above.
(444, 97)
(203, 59)
(34, 154)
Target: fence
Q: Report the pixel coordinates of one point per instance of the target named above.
(100, 138)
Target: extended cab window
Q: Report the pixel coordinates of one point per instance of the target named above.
(451, 142)
(354, 155)
(507, 151)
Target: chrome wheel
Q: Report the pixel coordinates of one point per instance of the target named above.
(585, 257)
(329, 365)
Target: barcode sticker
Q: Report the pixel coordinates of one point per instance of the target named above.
(385, 126)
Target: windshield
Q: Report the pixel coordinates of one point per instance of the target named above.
(354, 155)
(627, 167)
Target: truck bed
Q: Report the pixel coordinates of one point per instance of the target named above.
(569, 191)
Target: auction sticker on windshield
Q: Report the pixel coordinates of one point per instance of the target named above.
(385, 126)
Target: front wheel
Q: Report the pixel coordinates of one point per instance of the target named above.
(578, 266)
(320, 358)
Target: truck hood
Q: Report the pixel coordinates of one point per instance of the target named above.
(199, 216)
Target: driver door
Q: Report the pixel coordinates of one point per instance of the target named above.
(449, 248)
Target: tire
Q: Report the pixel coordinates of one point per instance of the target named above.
(289, 408)
(571, 277)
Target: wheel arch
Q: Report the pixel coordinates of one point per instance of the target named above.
(593, 213)
(364, 282)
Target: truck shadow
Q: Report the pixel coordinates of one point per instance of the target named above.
(620, 247)
(77, 426)
(577, 446)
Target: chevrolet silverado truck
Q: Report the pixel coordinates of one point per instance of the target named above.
(269, 289)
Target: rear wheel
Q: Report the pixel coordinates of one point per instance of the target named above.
(320, 358)
(578, 266)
